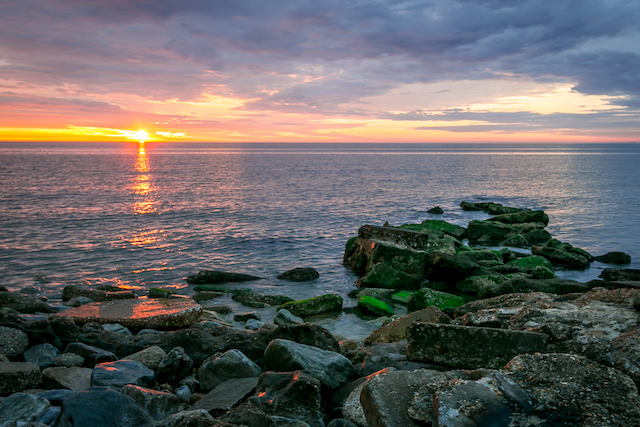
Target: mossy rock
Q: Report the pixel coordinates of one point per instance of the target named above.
(542, 272)
(430, 225)
(522, 217)
(426, 297)
(206, 295)
(402, 297)
(160, 293)
(484, 286)
(375, 306)
(220, 288)
(378, 293)
(530, 262)
(516, 241)
(316, 305)
(382, 275)
(254, 297)
(488, 207)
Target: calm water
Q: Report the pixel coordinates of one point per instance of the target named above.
(145, 215)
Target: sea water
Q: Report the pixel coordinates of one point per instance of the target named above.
(142, 215)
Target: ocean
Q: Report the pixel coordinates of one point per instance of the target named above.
(142, 215)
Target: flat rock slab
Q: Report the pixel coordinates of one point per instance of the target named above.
(226, 395)
(72, 378)
(138, 313)
(468, 346)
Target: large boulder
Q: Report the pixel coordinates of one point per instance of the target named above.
(506, 234)
(563, 254)
(151, 357)
(13, 342)
(331, 368)
(316, 305)
(431, 225)
(374, 306)
(43, 355)
(444, 267)
(71, 378)
(231, 364)
(92, 355)
(216, 276)
(469, 403)
(244, 297)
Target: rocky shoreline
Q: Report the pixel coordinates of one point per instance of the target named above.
(492, 338)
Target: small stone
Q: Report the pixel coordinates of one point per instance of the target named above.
(614, 258)
(184, 393)
(226, 395)
(13, 342)
(437, 210)
(43, 355)
(375, 306)
(68, 359)
(149, 332)
(191, 418)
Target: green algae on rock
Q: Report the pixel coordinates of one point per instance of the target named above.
(316, 305)
(375, 306)
(426, 297)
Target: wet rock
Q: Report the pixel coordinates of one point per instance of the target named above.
(43, 355)
(427, 297)
(563, 254)
(331, 368)
(243, 317)
(436, 210)
(113, 293)
(469, 404)
(397, 329)
(150, 357)
(138, 314)
(13, 342)
(469, 347)
(620, 275)
(71, 378)
(206, 295)
(64, 327)
(78, 301)
(387, 355)
(216, 276)
(437, 225)
(285, 317)
(158, 404)
(175, 366)
(309, 334)
(18, 376)
(116, 329)
(161, 293)
(614, 258)
(253, 324)
(184, 393)
(191, 418)
(23, 303)
(244, 297)
(316, 305)
(522, 217)
(120, 373)
(551, 286)
(374, 306)
(91, 354)
(95, 407)
(573, 387)
(488, 207)
(21, 408)
(488, 232)
(231, 364)
(226, 395)
(68, 359)
(300, 275)
(484, 286)
(293, 395)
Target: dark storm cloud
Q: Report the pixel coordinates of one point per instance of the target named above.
(160, 49)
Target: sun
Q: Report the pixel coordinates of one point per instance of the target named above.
(141, 135)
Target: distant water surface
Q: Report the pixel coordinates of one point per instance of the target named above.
(148, 215)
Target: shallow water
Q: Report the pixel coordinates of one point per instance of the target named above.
(148, 215)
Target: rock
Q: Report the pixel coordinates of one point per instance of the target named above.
(72, 378)
(563, 254)
(614, 258)
(490, 208)
(551, 286)
(402, 297)
(68, 359)
(437, 225)
(300, 275)
(253, 324)
(450, 269)
(120, 373)
(316, 305)
(78, 301)
(387, 355)
(21, 408)
(95, 407)
(469, 347)
(244, 297)
(229, 365)
(175, 366)
(467, 403)
(161, 293)
(221, 288)
(149, 357)
(285, 317)
(56, 396)
(158, 404)
(331, 368)
(91, 354)
(489, 232)
(191, 418)
(352, 409)
(138, 314)
(436, 210)
(293, 395)
(18, 376)
(43, 355)
(521, 217)
(147, 331)
(13, 342)
(572, 387)
(484, 286)
(243, 317)
(226, 395)
(397, 329)
(116, 329)
(24, 303)
(375, 306)
(427, 297)
(528, 263)
(184, 393)
(216, 276)
(113, 293)
(341, 422)
(541, 273)
(206, 295)
(620, 275)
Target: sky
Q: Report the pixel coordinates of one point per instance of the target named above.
(320, 71)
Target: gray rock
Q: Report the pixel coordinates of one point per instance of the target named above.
(149, 357)
(13, 342)
(116, 328)
(175, 366)
(21, 408)
(103, 407)
(253, 324)
(191, 418)
(72, 378)
(285, 317)
(68, 359)
(78, 301)
(184, 393)
(243, 317)
(469, 404)
(43, 355)
(192, 382)
(120, 373)
(18, 376)
(91, 354)
(470, 347)
(352, 407)
(46, 418)
(56, 396)
(300, 275)
(24, 303)
(231, 364)
(158, 404)
(226, 395)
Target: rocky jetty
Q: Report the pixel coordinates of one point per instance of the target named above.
(491, 338)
